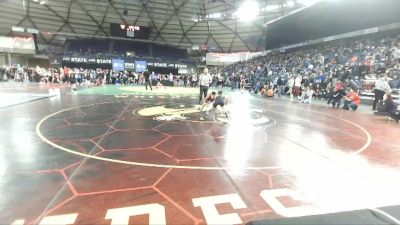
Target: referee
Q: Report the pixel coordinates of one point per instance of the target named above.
(146, 75)
(205, 80)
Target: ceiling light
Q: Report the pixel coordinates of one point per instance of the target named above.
(290, 3)
(307, 2)
(195, 19)
(270, 8)
(215, 15)
(248, 11)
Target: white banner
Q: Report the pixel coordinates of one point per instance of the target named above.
(216, 59)
(17, 45)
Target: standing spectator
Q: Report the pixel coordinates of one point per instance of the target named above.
(72, 81)
(338, 95)
(290, 85)
(220, 80)
(396, 52)
(194, 80)
(185, 80)
(171, 79)
(281, 85)
(234, 81)
(297, 85)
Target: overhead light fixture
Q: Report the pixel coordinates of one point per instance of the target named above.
(214, 15)
(41, 2)
(305, 3)
(308, 2)
(270, 8)
(248, 11)
(290, 3)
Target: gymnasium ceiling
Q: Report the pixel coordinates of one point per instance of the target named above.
(171, 21)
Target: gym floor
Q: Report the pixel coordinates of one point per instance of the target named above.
(105, 157)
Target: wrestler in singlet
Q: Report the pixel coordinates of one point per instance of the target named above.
(210, 98)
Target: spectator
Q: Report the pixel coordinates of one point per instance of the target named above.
(307, 95)
(386, 106)
(352, 100)
(290, 85)
(297, 86)
(381, 87)
(281, 85)
(396, 114)
(337, 96)
(234, 81)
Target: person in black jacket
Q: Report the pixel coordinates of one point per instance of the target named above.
(337, 97)
(395, 115)
(281, 85)
(146, 75)
(185, 80)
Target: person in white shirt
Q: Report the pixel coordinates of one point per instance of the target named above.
(381, 87)
(204, 80)
(290, 85)
(220, 80)
(194, 80)
(396, 53)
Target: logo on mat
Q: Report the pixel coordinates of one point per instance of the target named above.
(257, 116)
(170, 112)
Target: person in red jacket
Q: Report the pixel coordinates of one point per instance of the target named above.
(352, 100)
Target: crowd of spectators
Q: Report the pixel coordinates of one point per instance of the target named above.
(337, 72)
(22, 74)
(88, 77)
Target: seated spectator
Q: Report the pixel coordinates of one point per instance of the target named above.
(381, 87)
(270, 92)
(386, 106)
(352, 100)
(337, 96)
(263, 90)
(318, 93)
(307, 95)
(396, 114)
(160, 85)
(267, 91)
